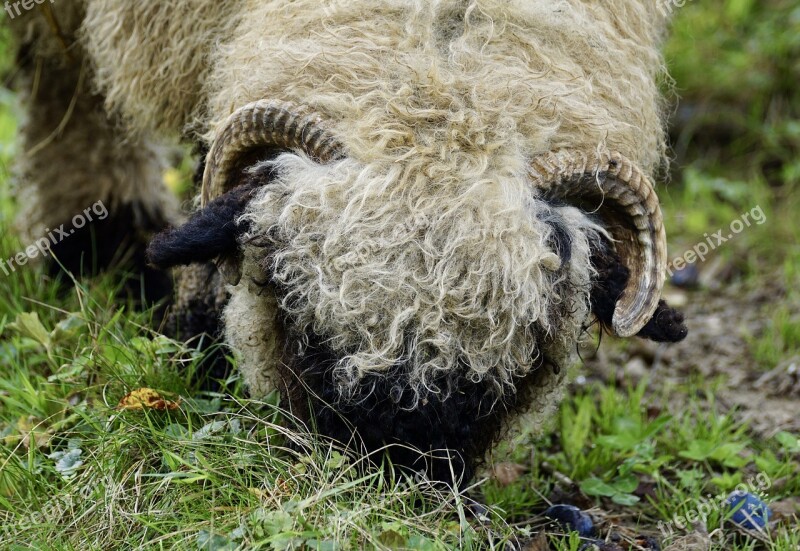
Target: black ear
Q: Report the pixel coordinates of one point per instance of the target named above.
(210, 233)
(666, 325)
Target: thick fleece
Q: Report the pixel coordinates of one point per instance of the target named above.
(399, 76)
(153, 58)
(475, 82)
(392, 269)
(428, 244)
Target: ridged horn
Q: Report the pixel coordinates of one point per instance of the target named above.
(624, 197)
(265, 123)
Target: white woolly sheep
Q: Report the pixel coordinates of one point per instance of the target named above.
(417, 204)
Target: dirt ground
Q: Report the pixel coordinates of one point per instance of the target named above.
(722, 322)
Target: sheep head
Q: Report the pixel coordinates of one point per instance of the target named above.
(404, 289)
(616, 204)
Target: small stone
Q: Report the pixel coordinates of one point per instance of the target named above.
(676, 298)
(636, 369)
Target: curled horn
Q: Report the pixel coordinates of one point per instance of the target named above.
(270, 124)
(624, 197)
(277, 125)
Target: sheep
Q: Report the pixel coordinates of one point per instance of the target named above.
(409, 211)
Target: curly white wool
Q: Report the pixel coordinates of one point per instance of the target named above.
(391, 268)
(538, 74)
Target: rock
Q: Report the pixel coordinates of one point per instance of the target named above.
(676, 298)
(787, 510)
(636, 369)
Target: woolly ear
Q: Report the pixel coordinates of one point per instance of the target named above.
(211, 233)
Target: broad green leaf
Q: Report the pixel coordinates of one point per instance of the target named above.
(208, 430)
(728, 455)
(689, 478)
(335, 461)
(626, 484)
(596, 487)
(67, 329)
(68, 463)
(29, 326)
(789, 442)
(392, 539)
(618, 441)
(727, 481)
(699, 450)
(656, 426)
(207, 541)
(322, 545)
(625, 499)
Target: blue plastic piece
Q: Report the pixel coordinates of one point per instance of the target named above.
(750, 512)
(687, 277)
(571, 518)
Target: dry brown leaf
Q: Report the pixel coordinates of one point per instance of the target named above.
(29, 431)
(538, 543)
(507, 473)
(147, 398)
(787, 509)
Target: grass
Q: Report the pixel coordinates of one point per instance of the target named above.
(77, 472)
(220, 472)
